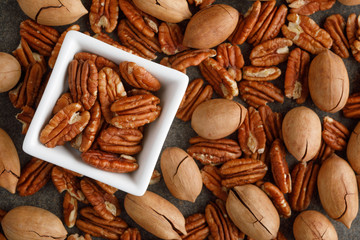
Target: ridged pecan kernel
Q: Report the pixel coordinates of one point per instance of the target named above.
(279, 166)
(212, 181)
(196, 227)
(335, 134)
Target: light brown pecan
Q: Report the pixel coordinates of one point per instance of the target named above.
(352, 106)
(230, 57)
(308, 7)
(135, 111)
(335, 26)
(212, 181)
(26, 56)
(271, 52)
(220, 225)
(304, 177)
(219, 78)
(92, 223)
(324, 152)
(103, 14)
(272, 123)
(251, 134)
(279, 166)
(257, 93)
(107, 39)
(242, 171)
(110, 89)
(246, 24)
(201, 3)
(109, 161)
(138, 76)
(65, 180)
(195, 94)
(196, 227)
(131, 234)
(107, 188)
(39, 37)
(70, 208)
(25, 117)
(56, 49)
(64, 125)
(155, 177)
(105, 205)
(79, 237)
(277, 197)
(122, 141)
(305, 33)
(213, 151)
(64, 100)
(137, 41)
(33, 177)
(170, 38)
(261, 73)
(353, 35)
(335, 134)
(296, 75)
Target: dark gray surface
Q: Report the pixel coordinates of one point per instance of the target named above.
(48, 198)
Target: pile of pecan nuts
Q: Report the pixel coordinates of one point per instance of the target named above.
(270, 31)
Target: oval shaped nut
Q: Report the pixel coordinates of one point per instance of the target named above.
(338, 190)
(210, 26)
(313, 225)
(156, 215)
(353, 149)
(181, 174)
(328, 82)
(208, 119)
(301, 130)
(9, 163)
(28, 222)
(253, 212)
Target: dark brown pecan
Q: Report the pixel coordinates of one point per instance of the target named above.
(195, 94)
(272, 123)
(201, 3)
(26, 56)
(25, 117)
(138, 76)
(335, 26)
(251, 134)
(271, 52)
(107, 188)
(64, 100)
(279, 166)
(324, 152)
(220, 225)
(109, 161)
(70, 208)
(352, 106)
(170, 38)
(131, 234)
(196, 227)
(230, 57)
(353, 35)
(122, 141)
(33, 177)
(212, 181)
(103, 14)
(242, 171)
(67, 180)
(257, 93)
(92, 223)
(107, 39)
(296, 75)
(304, 177)
(335, 134)
(213, 151)
(219, 78)
(261, 73)
(39, 37)
(105, 205)
(308, 7)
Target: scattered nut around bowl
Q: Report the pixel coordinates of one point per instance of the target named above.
(10, 72)
(353, 149)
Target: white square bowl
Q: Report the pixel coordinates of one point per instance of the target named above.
(173, 86)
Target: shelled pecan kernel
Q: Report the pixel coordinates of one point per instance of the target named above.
(70, 208)
(335, 134)
(79, 237)
(107, 39)
(170, 38)
(155, 177)
(131, 234)
(65, 180)
(335, 26)
(212, 181)
(325, 151)
(196, 227)
(279, 166)
(352, 33)
(25, 117)
(230, 57)
(309, 7)
(253, 73)
(103, 14)
(272, 123)
(352, 106)
(26, 56)
(201, 3)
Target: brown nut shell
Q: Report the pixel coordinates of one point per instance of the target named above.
(349, 2)
(28, 222)
(328, 82)
(10, 72)
(338, 190)
(210, 26)
(313, 225)
(353, 149)
(301, 130)
(217, 118)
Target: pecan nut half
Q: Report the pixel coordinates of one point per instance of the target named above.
(25, 117)
(308, 7)
(170, 38)
(65, 180)
(107, 39)
(196, 227)
(230, 57)
(103, 14)
(26, 56)
(352, 106)
(279, 166)
(335, 134)
(296, 75)
(352, 32)
(335, 26)
(325, 151)
(212, 181)
(305, 33)
(100, 62)
(213, 151)
(131, 234)
(79, 237)
(272, 123)
(252, 73)
(70, 208)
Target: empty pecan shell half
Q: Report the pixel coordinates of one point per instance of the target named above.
(67, 181)
(335, 134)
(196, 227)
(335, 26)
(103, 14)
(279, 166)
(212, 180)
(230, 57)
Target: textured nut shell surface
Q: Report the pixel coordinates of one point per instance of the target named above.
(53, 12)
(181, 174)
(338, 190)
(9, 163)
(10, 72)
(301, 130)
(353, 149)
(217, 118)
(328, 82)
(313, 225)
(155, 214)
(29, 223)
(210, 26)
(255, 214)
(172, 11)
(349, 2)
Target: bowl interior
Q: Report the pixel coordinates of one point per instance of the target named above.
(173, 86)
